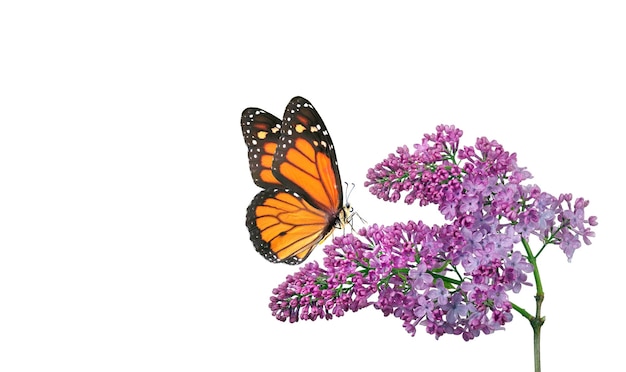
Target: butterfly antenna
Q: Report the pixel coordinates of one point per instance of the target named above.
(349, 188)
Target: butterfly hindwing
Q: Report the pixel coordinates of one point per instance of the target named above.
(294, 161)
(284, 227)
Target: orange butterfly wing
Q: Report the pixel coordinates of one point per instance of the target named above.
(301, 208)
(261, 131)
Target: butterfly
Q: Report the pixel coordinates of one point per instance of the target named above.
(293, 160)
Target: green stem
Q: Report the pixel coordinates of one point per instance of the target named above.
(537, 340)
(445, 278)
(522, 311)
(535, 321)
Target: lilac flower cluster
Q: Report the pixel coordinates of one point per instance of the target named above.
(454, 278)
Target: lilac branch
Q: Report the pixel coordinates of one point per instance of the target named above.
(449, 279)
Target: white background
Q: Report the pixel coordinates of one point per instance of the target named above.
(124, 177)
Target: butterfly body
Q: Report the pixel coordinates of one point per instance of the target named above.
(294, 161)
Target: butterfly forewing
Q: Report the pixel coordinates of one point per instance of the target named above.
(305, 159)
(261, 131)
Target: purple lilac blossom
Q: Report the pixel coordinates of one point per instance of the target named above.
(453, 278)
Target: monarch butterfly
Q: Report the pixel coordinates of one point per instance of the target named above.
(294, 161)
